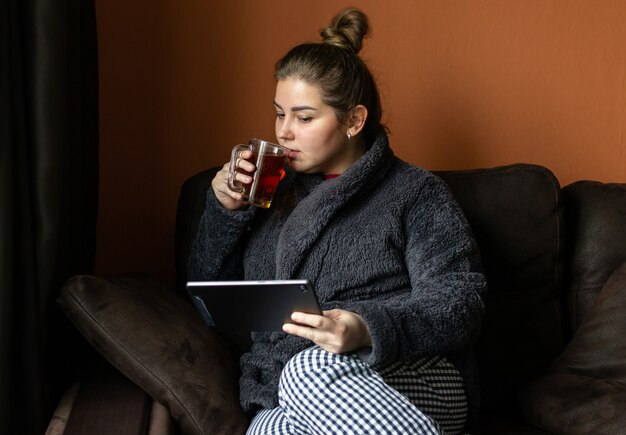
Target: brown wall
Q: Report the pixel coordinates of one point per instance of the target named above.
(464, 83)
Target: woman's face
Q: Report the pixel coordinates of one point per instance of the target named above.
(311, 129)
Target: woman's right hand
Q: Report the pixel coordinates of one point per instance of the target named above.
(230, 199)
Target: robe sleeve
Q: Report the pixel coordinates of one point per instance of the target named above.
(442, 313)
(216, 252)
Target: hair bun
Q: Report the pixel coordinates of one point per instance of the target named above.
(347, 30)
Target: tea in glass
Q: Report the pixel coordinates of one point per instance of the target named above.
(270, 160)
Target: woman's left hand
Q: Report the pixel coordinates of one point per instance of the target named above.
(337, 331)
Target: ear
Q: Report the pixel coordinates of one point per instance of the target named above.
(356, 120)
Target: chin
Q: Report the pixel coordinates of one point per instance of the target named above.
(303, 167)
(296, 166)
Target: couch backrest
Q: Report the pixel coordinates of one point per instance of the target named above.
(516, 214)
(191, 205)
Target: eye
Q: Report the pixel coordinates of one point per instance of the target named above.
(280, 115)
(305, 119)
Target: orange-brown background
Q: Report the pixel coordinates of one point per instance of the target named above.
(465, 84)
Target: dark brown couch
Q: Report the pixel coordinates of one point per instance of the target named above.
(552, 355)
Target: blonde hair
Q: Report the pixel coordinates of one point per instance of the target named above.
(335, 68)
(347, 30)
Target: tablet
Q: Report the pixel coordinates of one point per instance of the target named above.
(252, 305)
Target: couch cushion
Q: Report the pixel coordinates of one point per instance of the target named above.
(159, 342)
(584, 390)
(596, 234)
(515, 213)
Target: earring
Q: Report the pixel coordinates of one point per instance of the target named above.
(349, 136)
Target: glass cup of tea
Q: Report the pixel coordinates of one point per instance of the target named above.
(270, 160)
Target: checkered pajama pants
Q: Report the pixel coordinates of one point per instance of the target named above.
(324, 393)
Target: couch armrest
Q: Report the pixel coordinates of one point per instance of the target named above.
(109, 403)
(596, 234)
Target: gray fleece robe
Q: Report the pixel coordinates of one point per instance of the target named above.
(385, 240)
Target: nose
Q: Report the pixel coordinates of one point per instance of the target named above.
(284, 130)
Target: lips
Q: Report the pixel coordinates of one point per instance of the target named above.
(293, 154)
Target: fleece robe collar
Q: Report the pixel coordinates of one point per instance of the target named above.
(307, 221)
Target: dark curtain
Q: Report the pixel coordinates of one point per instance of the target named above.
(48, 197)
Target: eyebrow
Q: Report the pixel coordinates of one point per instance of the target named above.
(295, 109)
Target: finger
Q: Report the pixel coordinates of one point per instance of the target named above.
(312, 320)
(300, 331)
(246, 154)
(224, 190)
(243, 162)
(240, 177)
(229, 199)
(234, 195)
(322, 339)
(243, 178)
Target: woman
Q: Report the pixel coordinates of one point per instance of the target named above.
(388, 250)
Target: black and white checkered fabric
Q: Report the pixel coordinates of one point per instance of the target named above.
(324, 393)
(435, 387)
